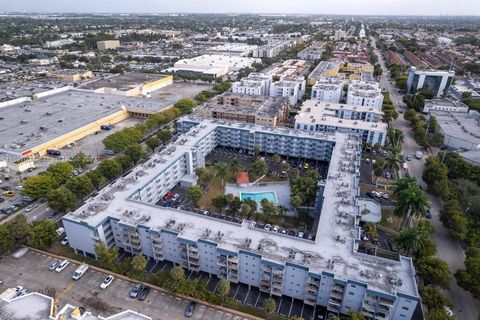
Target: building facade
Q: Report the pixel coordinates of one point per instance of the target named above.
(435, 81)
(256, 84)
(292, 88)
(108, 44)
(368, 94)
(328, 90)
(318, 271)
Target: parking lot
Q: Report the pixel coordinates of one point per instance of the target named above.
(31, 271)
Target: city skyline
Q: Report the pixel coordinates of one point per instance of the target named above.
(348, 7)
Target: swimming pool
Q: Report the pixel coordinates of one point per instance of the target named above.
(259, 196)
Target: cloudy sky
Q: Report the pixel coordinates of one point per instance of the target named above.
(406, 7)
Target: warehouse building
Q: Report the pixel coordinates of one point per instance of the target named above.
(328, 271)
(129, 84)
(29, 128)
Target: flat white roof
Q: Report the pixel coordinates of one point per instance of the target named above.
(335, 235)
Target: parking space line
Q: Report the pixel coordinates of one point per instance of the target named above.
(280, 305)
(291, 306)
(238, 287)
(246, 296)
(258, 297)
(303, 307)
(65, 291)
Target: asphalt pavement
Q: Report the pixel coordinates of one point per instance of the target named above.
(449, 249)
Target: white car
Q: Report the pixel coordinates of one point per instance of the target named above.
(30, 207)
(60, 231)
(62, 266)
(275, 229)
(106, 282)
(64, 242)
(300, 234)
(267, 227)
(175, 197)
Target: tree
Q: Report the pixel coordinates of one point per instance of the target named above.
(245, 211)
(42, 234)
(60, 172)
(19, 228)
(96, 178)
(185, 105)
(435, 175)
(276, 158)
(252, 204)
(235, 205)
(139, 262)
(195, 193)
(80, 186)
(438, 314)
(256, 150)
(7, 240)
(433, 271)
(270, 307)
(392, 163)
(296, 201)
(222, 171)
(38, 186)
(204, 175)
(107, 257)
(236, 166)
(433, 298)
(282, 211)
(135, 152)
(153, 143)
(125, 161)
(410, 201)
(177, 278)
(223, 287)
(260, 167)
(110, 169)
(285, 166)
(412, 240)
(268, 208)
(164, 136)
(119, 140)
(468, 277)
(81, 160)
(295, 173)
(395, 139)
(61, 199)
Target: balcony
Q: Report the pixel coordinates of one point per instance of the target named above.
(313, 281)
(311, 302)
(337, 295)
(222, 262)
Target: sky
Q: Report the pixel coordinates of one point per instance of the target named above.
(368, 7)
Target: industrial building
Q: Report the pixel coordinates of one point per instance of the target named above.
(316, 116)
(328, 271)
(328, 90)
(72, 75)
(53, 121)
(212, 65)
(108, 44)
(37, 306)
(368, 94)
(435, 81)
(129, 84)
(444, 105)
(260, 110)
(460, 129)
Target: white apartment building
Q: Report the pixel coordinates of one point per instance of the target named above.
(271, 50)
(328, 270)
(436, 81)
(328, 90)
(293, 88)
(328, 117)
(256, 84)
(340, 35)
(368, 94)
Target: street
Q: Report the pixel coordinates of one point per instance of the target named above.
(448, 248)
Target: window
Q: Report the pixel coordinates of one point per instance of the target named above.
(405, 308)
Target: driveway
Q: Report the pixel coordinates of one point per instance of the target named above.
(448, 248)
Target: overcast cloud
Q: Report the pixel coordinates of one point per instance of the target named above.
(378, 7)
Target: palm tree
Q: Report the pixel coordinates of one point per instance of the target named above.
(236, 166)
(222, 171)
(282, 211)
(395, 138)
(412, 240)
(392, 163)
(411, 202)
(403, 184)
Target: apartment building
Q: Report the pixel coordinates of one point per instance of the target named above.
(368, 94)
(255, 84)
(311, 53)
(324, 69)
(436, 81)
(289, 68)
(327, 271)
(261, 110)
(328, 90)
(340, 35)
(293, 88)
(331, 117)
(271, 50)
(108, 44)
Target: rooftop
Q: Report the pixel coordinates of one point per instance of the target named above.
(33, 306)
(123, 82)
(323, 67)
(463, 126)
(334, 247)
(29, 124)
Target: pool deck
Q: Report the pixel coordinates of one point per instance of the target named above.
(281, 191)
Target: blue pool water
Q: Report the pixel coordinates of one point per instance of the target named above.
(259, 196)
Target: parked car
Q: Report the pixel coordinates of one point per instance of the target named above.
(409, 157)
(370, 194)
(109, 152)
(190, 309)
(20, 253)
(80, 271)
(6, 188)
(54, 264)
(267, 227)
(64, 242)
(28, 199)
(8, 193)
(106, 282)
(300, 234)
(52, 214)
(384, 195)
(428, 214)
(276, 229)
(60, 231)
(136, 290)
(143, 293)
(30, 207)
(175, 197)
(62, 266)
